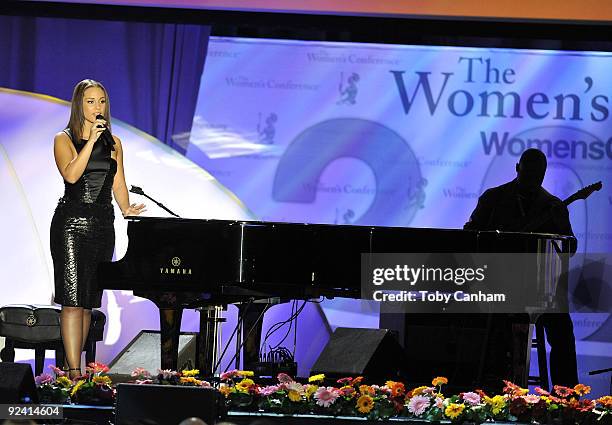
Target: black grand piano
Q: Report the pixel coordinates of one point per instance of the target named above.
(189, 263)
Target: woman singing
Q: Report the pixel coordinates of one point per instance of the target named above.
(82, 233)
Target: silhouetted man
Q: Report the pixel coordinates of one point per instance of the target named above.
(511, 206)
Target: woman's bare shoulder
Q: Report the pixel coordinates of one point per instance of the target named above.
(62, 137)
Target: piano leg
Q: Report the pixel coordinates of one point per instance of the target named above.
(170, 330)
(252, 322)
(210, 318)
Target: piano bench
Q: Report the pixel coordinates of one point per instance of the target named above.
(37, 327)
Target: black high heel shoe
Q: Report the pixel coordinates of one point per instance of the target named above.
(78, 369)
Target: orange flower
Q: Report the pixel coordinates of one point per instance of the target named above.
(357, 381)
(605, 401)
(365, 403)
(397, 389)
(225, 390)
(439, 380)
(582, 389)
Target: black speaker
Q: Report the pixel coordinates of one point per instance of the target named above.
(17, 383)
(372, 353)
(165, 404)
(144, 351)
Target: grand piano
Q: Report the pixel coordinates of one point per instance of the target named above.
(190, 263)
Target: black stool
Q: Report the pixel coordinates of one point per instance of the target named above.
(37, 327)
(539, 343)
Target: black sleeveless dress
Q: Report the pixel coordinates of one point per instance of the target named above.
(82, 232)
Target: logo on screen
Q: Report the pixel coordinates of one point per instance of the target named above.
(348, 89)
(267, 130)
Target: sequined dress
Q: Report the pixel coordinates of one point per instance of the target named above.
(82, 232)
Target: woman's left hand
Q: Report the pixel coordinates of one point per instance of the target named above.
(134, 209)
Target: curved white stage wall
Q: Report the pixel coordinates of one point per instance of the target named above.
(30, 186)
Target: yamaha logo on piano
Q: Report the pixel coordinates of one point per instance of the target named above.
(175, 269)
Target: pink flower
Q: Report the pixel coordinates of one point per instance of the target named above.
(471, 398)
(43, 378)
(139, 371)
(346, 390)
(532, 398)
(166, 373)
(269, 390)
(439, 403)
(284, 378)
(57, 370)
(228, 375)
(97, 367)
(326, 396)
(144, 381)
(418, 405)
(205, 384)
(295, 386)
(541, 391)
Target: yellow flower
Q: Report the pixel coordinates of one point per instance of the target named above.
(439, 380)
(190, 372)
(245, 373)
(453, 410)
(64, 381)
(365, 403)
(418, 390)
(522, 391)
(294, 395)
(347, 390)
(310, 390)
(497, 403)
(317, 378)
(76, 387)
(225, 390)
(244, 385)
(188, 380)
(102, 380)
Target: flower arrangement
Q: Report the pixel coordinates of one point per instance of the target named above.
(349, 396)
(95, 387)
(187, 377)
(352, 397)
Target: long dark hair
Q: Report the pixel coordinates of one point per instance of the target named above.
(77, 118)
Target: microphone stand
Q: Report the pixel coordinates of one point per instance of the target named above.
(137, 190)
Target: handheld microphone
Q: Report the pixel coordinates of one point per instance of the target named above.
(106, 135)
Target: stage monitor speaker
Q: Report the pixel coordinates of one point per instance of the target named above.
(372, 353)
(144, 351)
(17, 383)
(165, 404)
